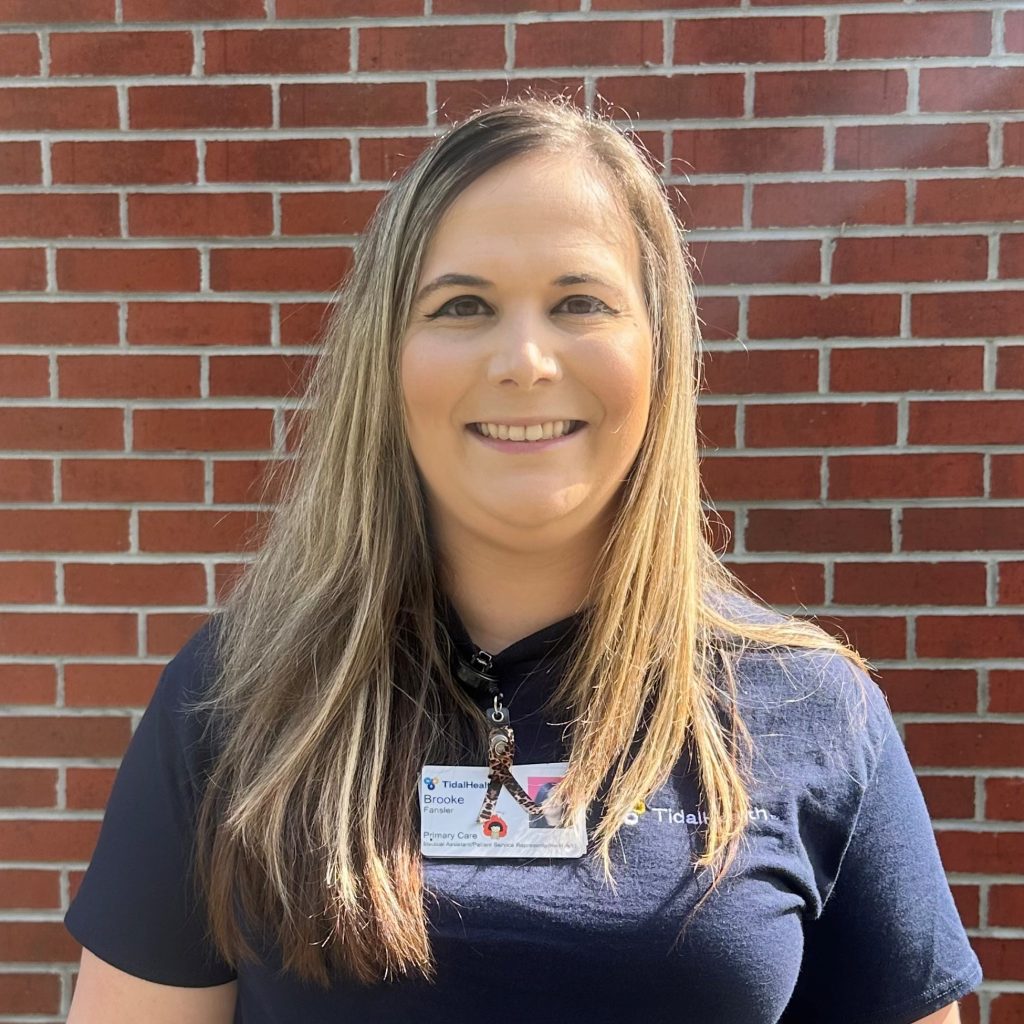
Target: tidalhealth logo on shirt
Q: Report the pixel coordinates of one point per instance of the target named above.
(670, 816)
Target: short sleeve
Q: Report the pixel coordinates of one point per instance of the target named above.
(888, 946)
(136, 908)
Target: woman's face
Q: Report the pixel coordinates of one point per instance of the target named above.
(528, 346)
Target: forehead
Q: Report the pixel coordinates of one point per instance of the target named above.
(538, 204)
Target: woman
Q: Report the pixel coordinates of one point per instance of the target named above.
(492, 563)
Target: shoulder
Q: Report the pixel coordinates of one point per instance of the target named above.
(809, 704)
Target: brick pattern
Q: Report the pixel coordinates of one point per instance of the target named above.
(181, 184)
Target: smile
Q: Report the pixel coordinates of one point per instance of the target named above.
(520, 439)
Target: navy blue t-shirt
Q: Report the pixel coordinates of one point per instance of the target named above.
(836, 909)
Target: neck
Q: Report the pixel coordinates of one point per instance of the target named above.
(504, 594)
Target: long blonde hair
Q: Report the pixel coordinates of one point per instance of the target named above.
(333, 685)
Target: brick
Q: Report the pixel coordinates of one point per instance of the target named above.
(820, 424)
(29, 480)
(719, 317)
(577, 44)
(967, 314)
(1006, 906)
(30, 993)
(22, 270)
(434, 48)
(61, 429)
(969, 199)
(490, 7)
(241, 481)
(675, 96)
(66, 633)
(27, 583)
(302, 323)
(259, 376)
(213, 215)
(942, 34)
(28, 888)
(789, 261)
(1011, 583)
(58, 323)
(198, 323)
(916, 368)
(279, 160)
(202, 429)
(352, 104)
(146, 162)
(37, 942)
(971, 636)
(128, 376)
(130, 270)
(384, 159)
(924, 475)
(1011, 255)
(870, 146)
(58, 108)
(97, 685)
(371, 8)
(276, 51)
(779, 582)
(456, 99)
(739, 478)
(24, 376)
(192, 10)
(1010, 367)
(89, 788)
(197, 531)
(828, 203)
(707, 206)
(57, 215)
(129, 480)
(278, 270)
(129, 584)
(28, 684)
(968, 905)
(1007, 480)
(65, 735)
(327, 213)
(956, 529)
(1004, 799)
(20, 163)
(980, 88)
(948, 796)
(884, 635)
(166, 633)
(910, 258)
(748, 40)
(121, 53)
(911, 583)
(46, 11)
(819, 529)
(48, 840)
(1005, 1008)
(761, 372)
(63, 530)
(797, 93)
(967, 422)
(19, 55)
(226, 576)
(28, 787)
(199, 106)
(748, 150)
(1000, 958)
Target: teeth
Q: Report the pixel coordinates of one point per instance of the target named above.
(534, 432)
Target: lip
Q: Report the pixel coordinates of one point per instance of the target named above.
(523, 447)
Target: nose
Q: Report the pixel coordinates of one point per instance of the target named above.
(524, 354)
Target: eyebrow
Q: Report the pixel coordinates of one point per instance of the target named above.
(471, 280)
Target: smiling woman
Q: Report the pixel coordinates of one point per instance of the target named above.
(488, 599)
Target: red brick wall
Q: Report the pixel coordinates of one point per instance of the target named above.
(180, 186)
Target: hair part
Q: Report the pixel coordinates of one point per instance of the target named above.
(333, 685)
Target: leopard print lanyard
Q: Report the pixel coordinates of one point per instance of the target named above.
(501, 740)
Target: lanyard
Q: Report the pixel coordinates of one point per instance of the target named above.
(501, 741)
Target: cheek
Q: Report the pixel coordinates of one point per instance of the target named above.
(622, 378)
(427, 382)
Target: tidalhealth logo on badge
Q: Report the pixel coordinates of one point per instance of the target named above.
(431, 784)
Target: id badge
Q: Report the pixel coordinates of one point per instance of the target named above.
(450, 801)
